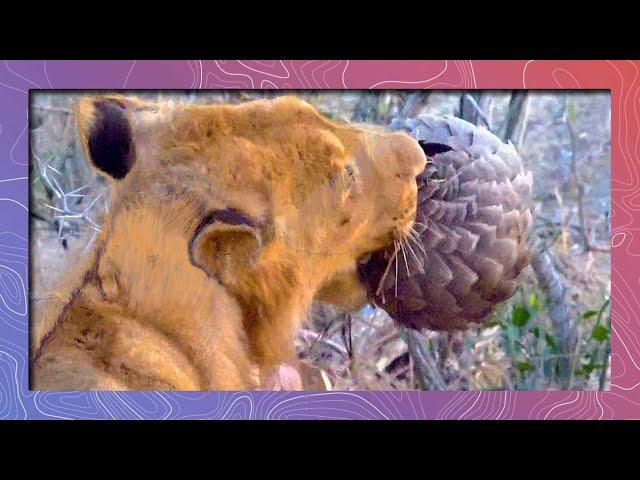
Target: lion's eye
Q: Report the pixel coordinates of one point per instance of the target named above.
(351, 173)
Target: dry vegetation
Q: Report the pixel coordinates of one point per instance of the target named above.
(564, 139)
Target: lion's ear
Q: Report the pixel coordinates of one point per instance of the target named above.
(104, 131)
(226, 242)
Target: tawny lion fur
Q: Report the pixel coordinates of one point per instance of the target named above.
(165, 302)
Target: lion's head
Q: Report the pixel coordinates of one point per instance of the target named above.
(272, 199)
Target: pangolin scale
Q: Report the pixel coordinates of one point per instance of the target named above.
(472, 230)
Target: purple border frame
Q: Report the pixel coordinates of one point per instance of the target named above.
(18, 77)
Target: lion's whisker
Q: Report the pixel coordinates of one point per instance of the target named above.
(416, 241)
(396, 277)
(413, 235)
(418, 264)
(421, 224)
(406, 264)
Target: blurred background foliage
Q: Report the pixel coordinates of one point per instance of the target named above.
(553, 334)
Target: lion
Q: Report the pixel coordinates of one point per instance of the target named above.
(225, 222)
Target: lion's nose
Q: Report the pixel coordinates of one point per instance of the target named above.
(410, 157)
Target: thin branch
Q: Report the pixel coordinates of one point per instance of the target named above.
(472, 101)
(573, 167)
(414, 102)
(66, 216)
(53, 109)
(515, 116)
(605, 366)
(427, 370)
(37, 216)
(311, 336)
(564, 328)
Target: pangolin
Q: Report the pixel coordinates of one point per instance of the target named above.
(471, 232)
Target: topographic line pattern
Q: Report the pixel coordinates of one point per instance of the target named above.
(17, 77)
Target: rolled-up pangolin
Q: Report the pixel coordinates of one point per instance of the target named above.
(471, 230)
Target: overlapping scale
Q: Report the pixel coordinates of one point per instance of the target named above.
(472, 225)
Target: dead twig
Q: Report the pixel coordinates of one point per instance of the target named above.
(65, 202)
(414, 102)
(48, 108)
(315, 338)
(426, 368)
(472, 101)
(564, 328)
(516, 118)
(573, 168)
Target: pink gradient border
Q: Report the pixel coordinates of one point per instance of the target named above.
(621, 77)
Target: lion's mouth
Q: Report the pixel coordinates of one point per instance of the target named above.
(370, 269)
(404, 248)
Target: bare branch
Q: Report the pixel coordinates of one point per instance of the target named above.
(573, 167)
(516, 115)
(427, 370)
(564, 328)
(472, 101)
(313, 337)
